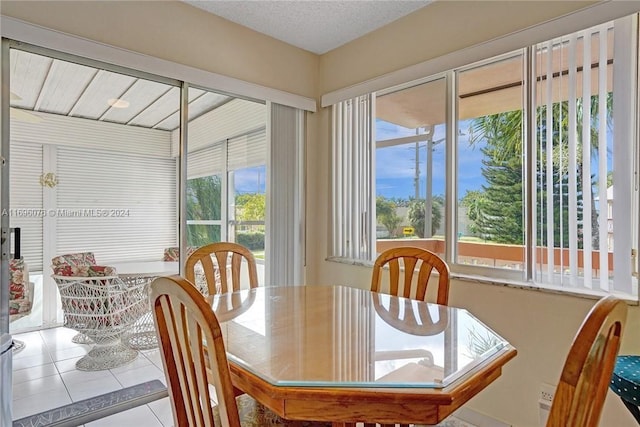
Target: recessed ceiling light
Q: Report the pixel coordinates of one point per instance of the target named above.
(118, 103)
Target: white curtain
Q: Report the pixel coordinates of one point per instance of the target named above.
(285, 248)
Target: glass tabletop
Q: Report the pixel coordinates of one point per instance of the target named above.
(346, 337)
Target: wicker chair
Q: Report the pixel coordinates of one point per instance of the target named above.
(98, 304)
(76, 260)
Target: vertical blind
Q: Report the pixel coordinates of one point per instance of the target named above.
(353, 210)
(577, 150)
(285, 204)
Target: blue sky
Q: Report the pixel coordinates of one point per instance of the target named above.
(251, 180)
(395, 166)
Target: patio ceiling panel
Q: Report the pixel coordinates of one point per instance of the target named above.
(28, 73)
(205, 102)
(139, 96)
(172, 121)
(63, 85)
(41, 83)
(93, 103)
(159, 110)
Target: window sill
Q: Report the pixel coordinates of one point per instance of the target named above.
(579, 293)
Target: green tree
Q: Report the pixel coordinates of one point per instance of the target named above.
(500, 216)
(250, 207)
(499, 208)
(203, 204)
(386, 215)
(416, 214)
(475, 202)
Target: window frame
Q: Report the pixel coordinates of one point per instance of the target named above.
(526, 276)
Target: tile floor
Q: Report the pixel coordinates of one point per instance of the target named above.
(45, 377)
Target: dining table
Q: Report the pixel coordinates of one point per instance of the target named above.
(347, 355)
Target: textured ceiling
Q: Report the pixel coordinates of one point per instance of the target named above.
(316, 26)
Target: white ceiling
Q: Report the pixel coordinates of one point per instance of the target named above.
(314, 25)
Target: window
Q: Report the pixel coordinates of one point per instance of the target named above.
(507, 168)
(410, 149)
(204, 200)
(490, 175)
(249, 186)
(576, 170)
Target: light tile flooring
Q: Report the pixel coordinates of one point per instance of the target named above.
(45, 377)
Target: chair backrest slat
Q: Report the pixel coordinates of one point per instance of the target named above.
(227, 256)
(412, 258)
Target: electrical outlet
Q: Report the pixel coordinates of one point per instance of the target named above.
(547, 391)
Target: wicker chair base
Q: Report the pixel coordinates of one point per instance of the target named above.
(81, 339)
(143, 334)
(106, 356)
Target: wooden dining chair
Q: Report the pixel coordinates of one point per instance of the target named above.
(413, 259)
(587, 371)
(185, 322)
(212, 264)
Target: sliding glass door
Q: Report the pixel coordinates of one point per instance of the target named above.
(226, 172)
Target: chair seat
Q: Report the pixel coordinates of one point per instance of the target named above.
(254, 414)
(625, 381)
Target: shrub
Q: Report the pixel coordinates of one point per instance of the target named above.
(251, 240)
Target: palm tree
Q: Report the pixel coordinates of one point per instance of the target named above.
(503, 135)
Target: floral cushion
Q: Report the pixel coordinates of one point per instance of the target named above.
(17, 285)
(80, 258)
(19, 299)
(254, 414)
(173, 253)
(84, 270)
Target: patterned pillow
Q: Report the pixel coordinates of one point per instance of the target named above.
(80, 258)
(19, 298)
(84, 271)
(173, 253)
